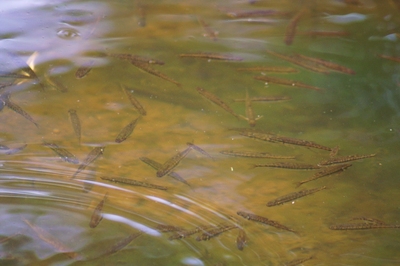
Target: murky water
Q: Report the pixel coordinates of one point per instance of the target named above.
(46, 212)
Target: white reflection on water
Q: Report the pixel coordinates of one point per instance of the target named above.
(138, 226)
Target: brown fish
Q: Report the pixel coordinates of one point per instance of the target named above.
(134, 101)
(64, 154)
(287, 82)
(392, 58)
(291, 28)
(362, 226)
(344, 159)
(185, 233)
(264, 220)
(297, 261)
(83, 70)
(133, 182)
(212, 97)
(173, 162)
(241, 239)
(294, 195)
(126, 131)
(168, 228)
(256, 13)
(97, 215)
(326, 171)
(48, 238)
(55, 83)
(251, 154)
(214, 232)
(93, 155)
(121, 243)
(213, 56)
(5, 99)
(250, 117)
(145, 67)
(265, 99)
(136, 58)
(76, 123)
(326, 64)
(369, 220)
(287, 165)
(275, 69)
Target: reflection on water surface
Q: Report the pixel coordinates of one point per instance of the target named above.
(169, 133)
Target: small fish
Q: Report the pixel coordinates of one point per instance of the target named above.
(294, 195)
(251, 154)
(334, 151)
(250, 117)
(145, 67)
(264, 220)
(48, 238)
(84, 69)
(297, 261)
(185, 233)
(126, 131)
(121, 243)
(93, 155)
(299, 62)
(64, 154)
(256, 13)
(76, 123)
(168, 228)
(266, 99)
(326, 171)
(369, 220)
(291, 28)
(344, 159)
(14, 75)
(134, 101)
(210, 33)
(173, 162)
(287, 82)
(392, 58)
(241, 239)
(276, 69)
(216, 100)
(361, 226)
(214, 56)
(97, 215)
(327, 64)
(214, 232)
(133, 182)
(157, 166)
(136, 58)
(55, 83)
(5, 98)
(287, 165)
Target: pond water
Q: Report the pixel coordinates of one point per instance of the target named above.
(70, 74)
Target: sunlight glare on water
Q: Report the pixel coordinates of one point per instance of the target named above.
(199, 132)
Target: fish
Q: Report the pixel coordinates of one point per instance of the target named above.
(157, 165)
(251, 154)
(121, 243)
(334, 151)
(214, 232)
(392, 58)
(134, 101)
(83, 70)
(250, 117)
(136, 58)
(173, 162)
(291, 28)
(168, 228)
(284, 140)
(10, 151)
(5, 98)
(126, 131)
(185, 233)
(327, 64)
(210, 33)
(294, 195)
(145, 67)
(275, 69)
(133, 182)
(362, 226)
(326, 171)
(266, 99)
(212, 97)
(97, 215)
(344, 159)
(297, 261)
(4, 74)
(64, 154)
(256, 13)
(76, 123)
(55, 83)
(301, 63)
(241, 239)
(287, 165)
(48, 238)
(264, 220)
(369, 220)
(287, 82)
(213, 56)
(93, 155)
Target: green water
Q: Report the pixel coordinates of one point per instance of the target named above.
(359, 113)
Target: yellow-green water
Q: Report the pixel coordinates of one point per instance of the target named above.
(359, 113)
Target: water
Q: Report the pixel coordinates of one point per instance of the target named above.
(359, 113)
